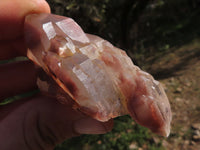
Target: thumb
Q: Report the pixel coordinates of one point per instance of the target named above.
(12, 14)
(42, 123)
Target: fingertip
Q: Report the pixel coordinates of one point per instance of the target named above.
(12, 14)
(39, 6)
(92, 126)
(108, 125)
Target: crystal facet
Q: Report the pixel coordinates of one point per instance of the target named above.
(100, 78)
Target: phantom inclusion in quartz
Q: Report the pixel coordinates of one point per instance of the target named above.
(100, 78)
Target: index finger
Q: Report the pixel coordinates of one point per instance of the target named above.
(12, 14)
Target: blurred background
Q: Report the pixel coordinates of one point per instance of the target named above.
(163, 38)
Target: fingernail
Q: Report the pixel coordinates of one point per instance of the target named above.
(91, 126)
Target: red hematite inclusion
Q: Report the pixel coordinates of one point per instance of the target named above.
(100, 78)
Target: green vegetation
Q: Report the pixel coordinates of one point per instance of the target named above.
(13, 60)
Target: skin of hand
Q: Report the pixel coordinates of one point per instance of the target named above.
(36, 122)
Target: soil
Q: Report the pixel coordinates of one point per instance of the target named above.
(179, 71)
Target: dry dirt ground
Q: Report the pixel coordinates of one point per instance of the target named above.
(179, 71)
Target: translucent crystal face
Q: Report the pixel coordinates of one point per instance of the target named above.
(100, 78)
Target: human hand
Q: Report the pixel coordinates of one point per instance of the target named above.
(36, 122)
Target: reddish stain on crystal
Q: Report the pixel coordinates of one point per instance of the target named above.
(59, 73)
(71, 86)
(110, 60)
(151, 118)
(141, 88)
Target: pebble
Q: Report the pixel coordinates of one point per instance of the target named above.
(196, 137)
(156, 140)
(178, 90)
(186, 142)
(188, 84)
(196, 126)
(165, 143)
(192, 143)
(196, 132)
(178, 99)
(99, 142)
(133, 146)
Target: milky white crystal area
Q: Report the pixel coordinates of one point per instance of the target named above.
(100, 78)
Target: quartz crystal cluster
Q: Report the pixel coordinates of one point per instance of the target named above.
(100, 78)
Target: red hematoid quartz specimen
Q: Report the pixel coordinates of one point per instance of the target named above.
(100, 78)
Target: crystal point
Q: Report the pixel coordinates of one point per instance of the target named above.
(100, 78)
